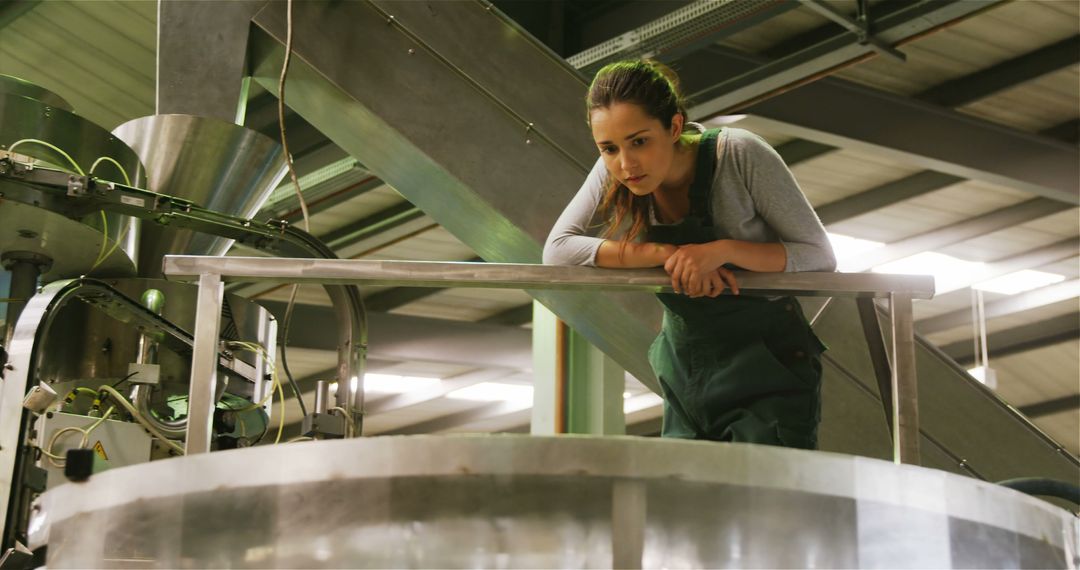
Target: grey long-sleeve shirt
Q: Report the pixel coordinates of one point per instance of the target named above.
(755, 198)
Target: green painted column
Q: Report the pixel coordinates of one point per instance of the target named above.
(592, 384)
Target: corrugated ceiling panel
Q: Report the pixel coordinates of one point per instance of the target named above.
(465, 304)
(97, 55)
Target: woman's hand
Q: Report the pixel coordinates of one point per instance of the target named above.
(697, 270)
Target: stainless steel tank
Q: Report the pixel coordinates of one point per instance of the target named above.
(543, 502)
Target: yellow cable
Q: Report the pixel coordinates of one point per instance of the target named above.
(104, 241)
(139, 418)
(127, 180)
(281, 418)
(11, 149)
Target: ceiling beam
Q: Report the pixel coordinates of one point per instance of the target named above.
(513, 317)
(885, 195)
(855, 117)
(1069, 131)
(957, 232)
(799, 150)
(1003, 307)
(1018, 339)
(904, 22)
(1006, 75)
(1049, 407)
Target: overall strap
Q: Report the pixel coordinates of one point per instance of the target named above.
(701, 189)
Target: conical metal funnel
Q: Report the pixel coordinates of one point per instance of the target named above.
(217, 165)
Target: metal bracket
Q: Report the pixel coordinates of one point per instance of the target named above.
(860, 26)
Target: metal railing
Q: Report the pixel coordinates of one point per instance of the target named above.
(901, 401)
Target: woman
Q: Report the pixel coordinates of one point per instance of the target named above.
(698, 202)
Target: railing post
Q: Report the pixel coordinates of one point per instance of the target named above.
(905, 395)
(204, 361)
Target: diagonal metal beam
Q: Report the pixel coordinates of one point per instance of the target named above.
(1018, 339)
(955, 233)
(885, 195)
(1008, 306)
(427, 58)
(970, 88)
(1048, 407)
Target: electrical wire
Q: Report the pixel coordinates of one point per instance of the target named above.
(83, 442)
(299, 196)
(139, 418)
(102, 254)
(71, 161)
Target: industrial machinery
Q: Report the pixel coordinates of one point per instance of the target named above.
(97, 363)
(98, 391)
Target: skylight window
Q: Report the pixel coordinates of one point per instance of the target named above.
(949, 272)
(1019, 282)
(495, 392)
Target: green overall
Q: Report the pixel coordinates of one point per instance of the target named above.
(733, 368)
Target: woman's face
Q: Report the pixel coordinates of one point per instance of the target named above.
(637, 149)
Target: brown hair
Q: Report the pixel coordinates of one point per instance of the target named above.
(655, 88)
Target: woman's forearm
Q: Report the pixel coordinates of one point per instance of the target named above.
(753, 256)
(634, 255)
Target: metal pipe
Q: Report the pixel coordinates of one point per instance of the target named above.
(322, 396)
(203, 387)
(25, 267)
(904, 382)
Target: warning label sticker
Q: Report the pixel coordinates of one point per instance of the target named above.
(100, 450)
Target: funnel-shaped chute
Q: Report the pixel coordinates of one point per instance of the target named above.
(217, 165)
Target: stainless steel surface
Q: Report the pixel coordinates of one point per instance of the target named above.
(202, 391)
(85, 142)
(91, 344)
(528, 276)
(72, 245)
(218, 165)
(21, 87)
(905, 396)
(25, 267)
(322, 396)
(544, 502)
(117, 443)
